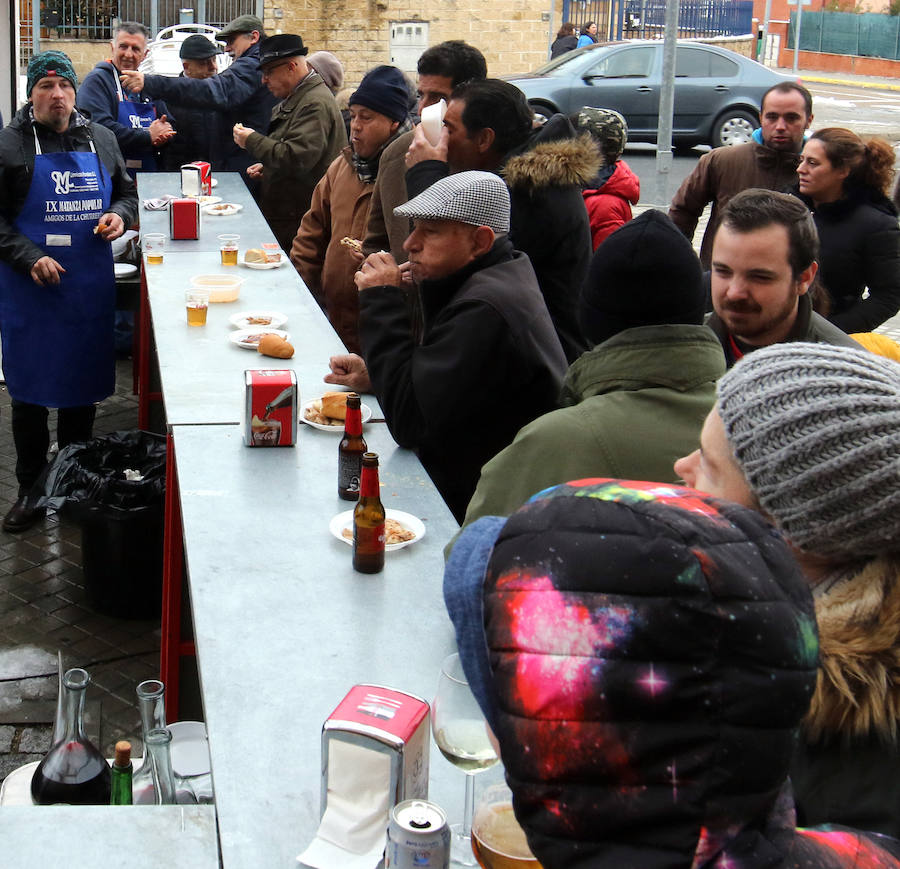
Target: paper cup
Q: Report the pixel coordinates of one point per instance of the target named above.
(433, 119)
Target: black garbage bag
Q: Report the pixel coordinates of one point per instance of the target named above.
(114, 487)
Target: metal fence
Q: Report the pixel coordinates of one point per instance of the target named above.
(867, 34)
(645, 19)
(95, 19)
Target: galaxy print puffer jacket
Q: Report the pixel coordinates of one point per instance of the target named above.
(645, 655)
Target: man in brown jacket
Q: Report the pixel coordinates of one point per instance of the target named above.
(769, 161)
(305, 134)
(340, 203)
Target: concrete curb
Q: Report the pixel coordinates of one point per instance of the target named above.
(874, 85)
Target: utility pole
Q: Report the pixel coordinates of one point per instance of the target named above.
(667, 95)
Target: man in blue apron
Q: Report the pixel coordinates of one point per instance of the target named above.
(141, 125)
(64, 195)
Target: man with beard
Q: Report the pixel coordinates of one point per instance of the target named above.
(763, 265)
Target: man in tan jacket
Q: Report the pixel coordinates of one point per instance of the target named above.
(326, 248)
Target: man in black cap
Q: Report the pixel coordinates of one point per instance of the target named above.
(305, 134)
(202, 134)
(238, 93)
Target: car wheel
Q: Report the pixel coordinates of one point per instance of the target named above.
(734, 127)
(542, 112)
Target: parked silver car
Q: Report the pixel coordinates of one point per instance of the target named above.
(717, 92)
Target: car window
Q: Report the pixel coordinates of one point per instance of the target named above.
(698, 63)
(628, 63)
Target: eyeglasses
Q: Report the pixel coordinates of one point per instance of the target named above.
(270, 68)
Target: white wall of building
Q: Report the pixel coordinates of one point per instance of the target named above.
(9, 48)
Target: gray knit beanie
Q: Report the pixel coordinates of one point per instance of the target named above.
(816, 431)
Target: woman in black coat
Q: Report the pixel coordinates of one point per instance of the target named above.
(566, 40)
(845, 182)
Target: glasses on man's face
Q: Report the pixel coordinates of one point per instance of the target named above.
(272, 67)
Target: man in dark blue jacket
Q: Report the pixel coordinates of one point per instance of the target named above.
(141, 125)
(237, 92)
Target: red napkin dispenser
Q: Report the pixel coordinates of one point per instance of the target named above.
(184, 219)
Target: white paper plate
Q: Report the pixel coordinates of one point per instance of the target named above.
(407, 520)
(365, 413)
(282, 259)
(208, 200)
(190, 748)
(240, 337)
(124, 270)
(240, 320)
(222, 209)
(213, 182)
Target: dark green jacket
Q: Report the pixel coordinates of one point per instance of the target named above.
(632, 406)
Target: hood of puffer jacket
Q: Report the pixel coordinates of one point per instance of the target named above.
(553, 157)
(651, 652)
(858, 691)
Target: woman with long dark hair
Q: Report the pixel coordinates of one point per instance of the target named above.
(566, 40)
(845, 182)
(588, 34)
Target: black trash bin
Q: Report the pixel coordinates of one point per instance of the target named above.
(121, 517)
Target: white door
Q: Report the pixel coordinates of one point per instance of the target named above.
(408, 40)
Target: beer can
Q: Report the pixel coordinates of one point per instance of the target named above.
(418, 837)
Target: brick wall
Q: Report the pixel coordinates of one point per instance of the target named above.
(85, 54)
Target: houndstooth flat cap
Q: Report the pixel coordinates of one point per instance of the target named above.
(477, 198)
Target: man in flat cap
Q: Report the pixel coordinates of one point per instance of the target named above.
(202, 134)
(238, 92)
(64, 195)
(306, 132)
(142, 125)
(490, 360)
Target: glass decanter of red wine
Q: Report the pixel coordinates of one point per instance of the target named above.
(73, 771)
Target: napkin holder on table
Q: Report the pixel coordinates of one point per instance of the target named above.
(374, 755)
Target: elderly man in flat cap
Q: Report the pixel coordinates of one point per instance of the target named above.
(304, 136)
(490, 359)
(64, 195)
(238, 93)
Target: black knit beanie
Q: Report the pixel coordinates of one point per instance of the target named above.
(383, 90)
(645, 274)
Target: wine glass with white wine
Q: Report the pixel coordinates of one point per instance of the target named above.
(461, 734)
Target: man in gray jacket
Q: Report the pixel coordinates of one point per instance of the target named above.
(305, 134)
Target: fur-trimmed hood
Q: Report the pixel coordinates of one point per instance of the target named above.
(858, 687)
(553, 157)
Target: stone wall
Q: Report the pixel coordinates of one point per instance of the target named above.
(85, 54)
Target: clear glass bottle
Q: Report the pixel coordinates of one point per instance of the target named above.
(152, 704)
(157, 755)
(73, 771)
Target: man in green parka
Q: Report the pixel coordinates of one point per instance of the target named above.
(630, 403)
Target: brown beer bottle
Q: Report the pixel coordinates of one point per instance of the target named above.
(350, 451)
(368, 520)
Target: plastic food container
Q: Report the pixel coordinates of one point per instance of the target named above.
(222, 288)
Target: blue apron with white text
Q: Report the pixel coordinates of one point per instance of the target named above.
(136, 116)
(58, 339)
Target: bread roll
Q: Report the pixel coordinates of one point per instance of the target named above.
(334, 404)
(274, 345)
(255, 255)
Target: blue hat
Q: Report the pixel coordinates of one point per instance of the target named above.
(383, 90)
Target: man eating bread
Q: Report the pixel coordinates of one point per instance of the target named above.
(327, 249)
(490, 359)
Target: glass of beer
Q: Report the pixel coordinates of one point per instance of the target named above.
(498, 841)
(197, 302)
(154, 245)
(228, 248)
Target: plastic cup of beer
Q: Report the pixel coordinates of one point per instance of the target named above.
(498, 841)
(154, 246)
(197, 303)
(228, 248)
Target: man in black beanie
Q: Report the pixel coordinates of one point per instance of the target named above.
(341, 200)
(642, 390)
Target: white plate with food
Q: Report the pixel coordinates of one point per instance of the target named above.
(250, 319)
(208, 200)
(282, 259)
(249, 338)
(312, 415)
(402, 528)
(222, 209)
